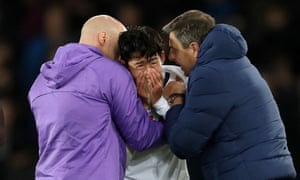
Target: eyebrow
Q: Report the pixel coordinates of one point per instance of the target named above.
(138, 61)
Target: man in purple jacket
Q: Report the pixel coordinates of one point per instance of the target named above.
(86, 108)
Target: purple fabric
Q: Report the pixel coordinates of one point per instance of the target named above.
(86, 108)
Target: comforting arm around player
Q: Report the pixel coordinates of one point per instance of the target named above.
(131, 118)
(189, 127)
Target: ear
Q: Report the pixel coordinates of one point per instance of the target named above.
(102, 38)
(163, 56)
(195, 48)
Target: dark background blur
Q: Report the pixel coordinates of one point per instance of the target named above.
(31, 30)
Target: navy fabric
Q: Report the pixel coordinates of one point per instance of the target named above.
(230, 126)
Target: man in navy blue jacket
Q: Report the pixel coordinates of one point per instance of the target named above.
(229, 126)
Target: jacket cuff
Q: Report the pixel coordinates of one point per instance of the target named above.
(161, 107)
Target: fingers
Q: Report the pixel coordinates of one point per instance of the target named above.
(141, 85)
(154, 78)
(179, 79)
(149, 85)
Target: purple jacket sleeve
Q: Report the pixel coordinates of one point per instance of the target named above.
(130, 116)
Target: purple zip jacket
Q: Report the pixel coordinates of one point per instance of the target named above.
(86, 108)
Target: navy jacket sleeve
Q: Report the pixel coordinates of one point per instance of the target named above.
(190, 127)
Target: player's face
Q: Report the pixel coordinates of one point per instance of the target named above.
(141, 64)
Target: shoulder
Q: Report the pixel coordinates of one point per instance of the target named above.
(109, 68)
(112, 76)
(207, 80)
(203, 72)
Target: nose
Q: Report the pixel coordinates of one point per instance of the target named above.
(147, 72)
(147, 68)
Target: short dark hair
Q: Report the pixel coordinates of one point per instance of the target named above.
(190, 26)
(141, 39)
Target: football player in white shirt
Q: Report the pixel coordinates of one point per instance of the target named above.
(142, 51)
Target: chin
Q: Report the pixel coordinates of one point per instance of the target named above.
(186, 73)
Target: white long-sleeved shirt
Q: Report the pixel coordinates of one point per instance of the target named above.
(157, 163)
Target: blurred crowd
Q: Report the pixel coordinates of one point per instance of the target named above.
(31, 31)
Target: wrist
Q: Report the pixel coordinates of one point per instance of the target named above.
(161, 106)
(176, 98)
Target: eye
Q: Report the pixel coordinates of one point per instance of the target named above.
(153, 60)
(139, 64)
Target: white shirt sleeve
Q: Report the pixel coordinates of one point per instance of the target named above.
(161, 107)
(174, 71)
